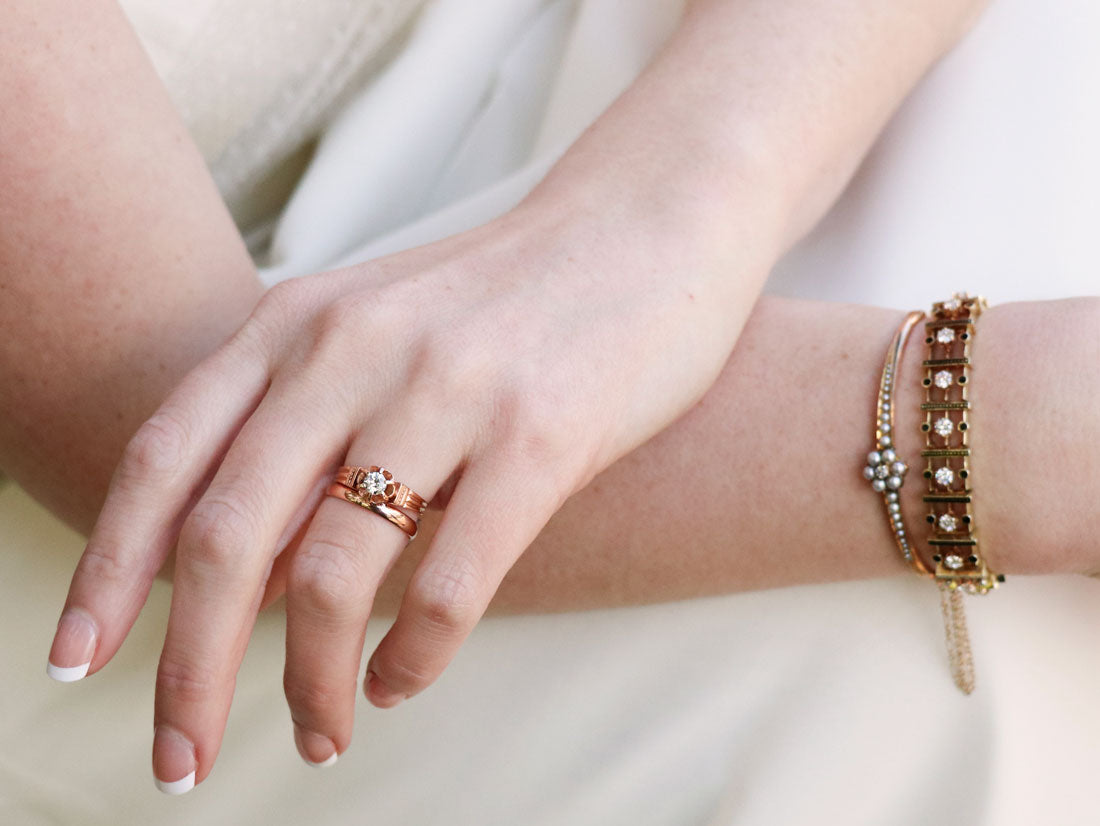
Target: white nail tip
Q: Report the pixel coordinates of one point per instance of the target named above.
(324, 763)
(67, 675)
(184, 784)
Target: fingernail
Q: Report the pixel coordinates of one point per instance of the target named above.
(173, 756)
(73, 647)
(313, 747)
(381, 694)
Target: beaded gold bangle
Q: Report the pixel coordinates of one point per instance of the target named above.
(885, 470)
(960, 567)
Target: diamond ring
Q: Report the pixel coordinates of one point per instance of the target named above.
(377, 486)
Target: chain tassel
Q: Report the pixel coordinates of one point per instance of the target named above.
(958, 638)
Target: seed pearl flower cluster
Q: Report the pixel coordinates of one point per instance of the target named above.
(884, 470)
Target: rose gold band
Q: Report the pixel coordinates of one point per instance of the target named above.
(399, 518)
(395, 494)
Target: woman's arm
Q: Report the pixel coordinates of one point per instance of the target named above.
(754, 115)
(120, 268)
(759, 485)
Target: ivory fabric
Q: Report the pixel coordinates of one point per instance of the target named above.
(817, 704)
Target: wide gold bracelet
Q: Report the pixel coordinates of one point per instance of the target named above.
(960, 564)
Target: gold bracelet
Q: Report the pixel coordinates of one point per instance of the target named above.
(960, 566)
(885, 470)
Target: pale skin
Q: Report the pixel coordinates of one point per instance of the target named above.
(526, 430)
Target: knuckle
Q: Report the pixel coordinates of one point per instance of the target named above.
(314, 697)
(334, 335)
(407, 675)
(218, 532)
(157, 448)
(271, 312)
(278, 302)
(448, 596)
(447, 368)
(103, 567)
(281, 307)
(323, 575)
(340, 321)
(534, 429)
(185, 682)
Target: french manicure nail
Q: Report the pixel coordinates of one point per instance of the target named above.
(173, 756)
(181, 786)
(313, 747)
(73, 647)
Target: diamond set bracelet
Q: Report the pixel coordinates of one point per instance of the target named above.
(946, 426)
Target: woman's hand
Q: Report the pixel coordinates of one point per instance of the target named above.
(495, 373)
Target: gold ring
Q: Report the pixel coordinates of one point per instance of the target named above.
(376, 485)
(398, 517)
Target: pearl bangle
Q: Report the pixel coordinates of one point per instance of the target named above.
(885, 470)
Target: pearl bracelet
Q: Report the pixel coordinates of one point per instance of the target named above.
(885, 470)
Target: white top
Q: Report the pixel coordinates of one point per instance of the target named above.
(817, 704)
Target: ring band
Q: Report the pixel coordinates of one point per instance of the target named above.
(398, 517)
(376, 485)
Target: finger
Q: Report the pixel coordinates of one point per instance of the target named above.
(496, 511)
(275, 586)
(331, 582)
(155, 482)
(226, 545)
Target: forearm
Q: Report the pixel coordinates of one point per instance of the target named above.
(119, 266)
(759, 485)
(749, 123)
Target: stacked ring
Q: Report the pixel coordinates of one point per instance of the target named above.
(397, 517)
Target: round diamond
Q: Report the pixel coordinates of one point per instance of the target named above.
(944, 379)
(881, 472)
(945, 335)
(944, 426)
(952, 304)
(953, 561)
(945, 476)
(948, 523)
(374, 483)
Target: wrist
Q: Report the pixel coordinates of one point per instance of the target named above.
(1037, 435)
(721, 230)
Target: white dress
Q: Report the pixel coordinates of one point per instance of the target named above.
(818, 704)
